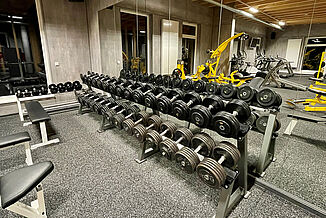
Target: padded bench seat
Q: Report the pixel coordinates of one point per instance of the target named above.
(316, 79)
(14, 139)
(36, 112)
(319, 92)
(309, 118)
(15, 185)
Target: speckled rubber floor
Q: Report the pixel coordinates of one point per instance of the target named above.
(96, 176)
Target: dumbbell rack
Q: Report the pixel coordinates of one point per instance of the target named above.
(236, 185)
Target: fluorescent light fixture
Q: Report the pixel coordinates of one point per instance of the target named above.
(253, 10)
(276, 26)
(15, 17)
(167, 24)
(281, 23)
(142, 31)
(246, 14)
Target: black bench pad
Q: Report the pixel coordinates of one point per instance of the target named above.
(15, 185)
(319, 92)
(36, 112)
(14, 139)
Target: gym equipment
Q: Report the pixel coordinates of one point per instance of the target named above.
(95, 103)
(213, 88)
(109, 112)
(151, 78)
(128, 125)
(53, 88)
(44, 90)
(158, 80)
(36, 91)
(267, 97)
(261, 124)
(61, 87)
(19, 93)
(176, 82)
(187, 84)
(150, 98)
(228, 123)
(119, 118)
(199, 86)
(164, 103)
(97, 106)
(201, 115)
(140, 131)
(112, 85)
(68, 86)
(188, 159)
(181, 108)
(211, 171)
(138, 94)
(249, 91)
(167, 81)
(27, 93)
(153, 138)
(76, 85)
(127, 92)
(169, 148)
(229, 91)
(119, 89)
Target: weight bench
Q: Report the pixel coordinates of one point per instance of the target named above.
(17, 139)
(308, 118)
(38, 115)
(17, 184)
(316, 91)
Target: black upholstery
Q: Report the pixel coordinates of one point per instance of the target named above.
(14, 139)
(36, 112)
(319, 92)
(15, 185)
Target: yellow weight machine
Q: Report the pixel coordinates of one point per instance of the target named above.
(319, 88)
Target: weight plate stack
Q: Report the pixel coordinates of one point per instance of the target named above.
(168, 148)
(187, 159)
(176, 82)
(229, 151)
(261, 124)
(187, 84)
(241, 107)
(172, 127)
(140, 130)
(229, 91)
(213, 88)
(186, 135)
(226, 125)
(267, 97)
(205, 141)
(247, 93)
(200, 86)
(211, 173)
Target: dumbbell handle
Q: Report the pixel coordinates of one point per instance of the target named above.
(190, 102)
(147, 92)
(121, 111)
(138, 121)
(210, 107)
(159, 95)
(150, 126)
(113, 108)
(129, 115)
(221, 160)
(164, 132)
(174, 98)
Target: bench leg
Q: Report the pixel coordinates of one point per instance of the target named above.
(44, 136)
(29, 159)
(290, 127)
(44, 133)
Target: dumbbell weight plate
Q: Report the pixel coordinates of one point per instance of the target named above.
(230, 151)
(200, 86)
(119, 118)
(68, 86)
(261, 124)
(266, 97)
(204, 140)
(225, 124)
(213, 88)
(246, 93)
(151, 78)
(128, 125)
(167, 81)
(176, 82)
(187, 84)
(187, 159)
(176, 73)
(168, 148)
(211, 173)
(241, 107)
(140, 131)
(229, 91)
(159, 80)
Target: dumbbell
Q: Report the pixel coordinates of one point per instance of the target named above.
(36, 91)
(112, 85)
(88, 100)
(119, 89)
(211, 170)
(100, 81)
(69, 87)
(119, 118)
(138, 94)
(199, 86)
(213, 88)
(151, 78)
(142, 78)
(249, 91)
(229, 91)
(140, 130)
(170, 147)
(81, 96)
(129, 125)
(181, 108)
(19, 93)
(53, 88)
(61, 87)
(164, 103)
(227, 123)
(261, 124)
(167, 81)
(150, 98)
(126, 92)
(119, 109)
(108, 106)
(187, 84)
(267, 97)
(76, 85)
(96, 104)
(158, 80)
(201, 115)
(93, 81)
(27, 93)
(201, 146)
(44, 90)
(176, 82)
(83, 78)
(153, 137)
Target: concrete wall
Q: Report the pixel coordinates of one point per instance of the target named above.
(65, 27)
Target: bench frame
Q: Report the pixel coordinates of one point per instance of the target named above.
(37, 208)
(28, 159)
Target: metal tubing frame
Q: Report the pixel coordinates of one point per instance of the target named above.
(37, 208)
(28, 159)
(44, 136)
(145, 153)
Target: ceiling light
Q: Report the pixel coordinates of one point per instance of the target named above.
(276, 26)
(142, 31)
(167, 24)
(281, 23)
(246, 14)
(253, 10)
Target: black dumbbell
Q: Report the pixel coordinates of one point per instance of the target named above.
(100, 81)
(267, 97)
(44, 90)
(89, 100)
(164, 103)
(69, 87)
(83, 78)
(94, 80)
(27, 93)
(211, 170)
(176, 82)
(261, 124)
(127, 92)
(150, 99)
(129, 124)
(170, 147)
(112, 86)
(106, 82)
(53, 88)
(122, 108)
(137, 95)
(227, 123)
(153, 138)
(61, 87)
(36, 91)
(158, 80)
(167, 81)
(181, 108)
(76, 85)
(140, 131)
(19, 93)
(229, 91)
(119, 89)
(213, 88)
(201, 115)
(249, 91)
(151, 78)
(187, 84)
(97, 107)
(119, 118)
(201, 146)
(108, 106)
(199, 86)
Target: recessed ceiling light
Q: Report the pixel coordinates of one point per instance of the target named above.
(281, 23)
(253, 10)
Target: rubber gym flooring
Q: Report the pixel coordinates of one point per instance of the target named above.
(96, 176)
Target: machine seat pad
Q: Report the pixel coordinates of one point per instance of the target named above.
(15, 185)
(319, 92)
(316, 79)
(14, 139)
(36, 112)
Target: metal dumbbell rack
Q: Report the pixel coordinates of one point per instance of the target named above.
(237, 184)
